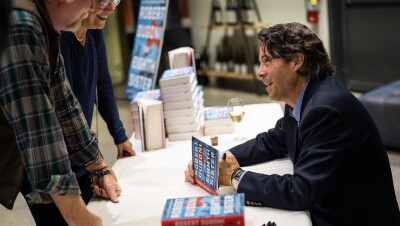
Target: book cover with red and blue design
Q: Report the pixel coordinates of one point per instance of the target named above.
(220, 210)
(205, 164)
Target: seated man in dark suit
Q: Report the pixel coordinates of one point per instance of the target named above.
(341, 172)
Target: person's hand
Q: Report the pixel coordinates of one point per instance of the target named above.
(125, 149)
(225, 169)
(189, 173)
(107, 187)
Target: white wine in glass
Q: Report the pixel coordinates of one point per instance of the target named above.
(236, 113)
(236, 116)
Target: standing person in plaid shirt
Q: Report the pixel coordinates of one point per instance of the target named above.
(42, 126)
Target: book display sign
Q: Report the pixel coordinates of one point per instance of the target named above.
(208, 210)
(147, 49)
(205, 164)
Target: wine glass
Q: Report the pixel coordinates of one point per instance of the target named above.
(236, 114)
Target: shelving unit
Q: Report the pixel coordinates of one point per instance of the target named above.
(220, 74)
(258, 25)
(249, 57)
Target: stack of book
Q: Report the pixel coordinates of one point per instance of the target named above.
(154, 94)
(217, 121)
(183, 103)
(181, 57)
(151, 122)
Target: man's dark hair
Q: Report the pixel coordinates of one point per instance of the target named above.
(286, 40)
(5, 9)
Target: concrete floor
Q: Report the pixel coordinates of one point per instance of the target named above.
(20, 215)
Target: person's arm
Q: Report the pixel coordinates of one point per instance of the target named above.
(81, 141)
(326, 143)
(74, 211)
(106, 100)
(264, 147)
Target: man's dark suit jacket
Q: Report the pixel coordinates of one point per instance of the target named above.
(341, 172)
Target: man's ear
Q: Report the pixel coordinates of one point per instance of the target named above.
(298, 61)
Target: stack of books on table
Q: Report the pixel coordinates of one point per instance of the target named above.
(154, 94)
(183, 103)
(217, 121)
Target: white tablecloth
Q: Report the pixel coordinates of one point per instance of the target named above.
(150, 178)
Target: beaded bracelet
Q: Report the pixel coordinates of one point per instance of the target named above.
(101, 173)
(96, 164)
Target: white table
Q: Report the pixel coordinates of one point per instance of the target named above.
(150, 178)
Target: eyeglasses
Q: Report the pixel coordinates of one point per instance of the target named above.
(104, 3)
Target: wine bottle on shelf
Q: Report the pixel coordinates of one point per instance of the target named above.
(247, 12)
(224, 60)
(237, 61)
(203, 60)
(218, 59)
(256, 63)
(243, 64)
(231, 63)
(231, 12)
(216, 12)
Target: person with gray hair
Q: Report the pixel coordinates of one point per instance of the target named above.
(42, 127)
(341, 172)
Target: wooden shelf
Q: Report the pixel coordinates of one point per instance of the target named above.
(237, 27)
(220, 74)
(240, 31)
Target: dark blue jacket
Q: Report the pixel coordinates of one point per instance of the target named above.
(341, 172)
(87, 70)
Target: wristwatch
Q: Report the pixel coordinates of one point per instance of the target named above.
(235, 177)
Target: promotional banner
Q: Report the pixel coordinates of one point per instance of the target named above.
(147, 48)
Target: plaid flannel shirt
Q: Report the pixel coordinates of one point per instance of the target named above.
(46, 118)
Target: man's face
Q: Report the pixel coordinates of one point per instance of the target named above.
(278, 76)
(67, 15)
(97, 19)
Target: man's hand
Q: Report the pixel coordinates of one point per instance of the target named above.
(225, 169)
(74, 211)
(125, 149)
(189, 173)
(107, 187)
(104, 184)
